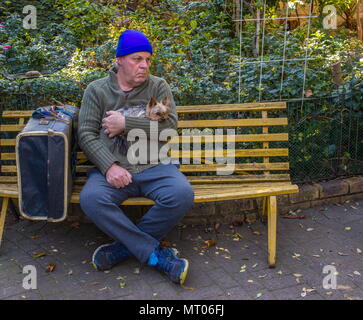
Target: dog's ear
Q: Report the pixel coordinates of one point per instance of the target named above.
(152, 102)
(166, 101)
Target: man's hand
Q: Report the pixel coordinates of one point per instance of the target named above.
(113, 124)
(117, 176)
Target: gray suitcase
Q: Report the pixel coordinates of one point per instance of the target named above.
(45, 159)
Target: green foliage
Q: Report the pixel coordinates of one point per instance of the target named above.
(88, 20)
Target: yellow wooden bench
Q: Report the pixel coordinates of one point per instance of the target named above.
(260, 169)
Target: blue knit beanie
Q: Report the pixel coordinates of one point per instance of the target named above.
(131, 41)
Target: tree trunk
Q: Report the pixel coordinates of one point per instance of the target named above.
(337, 74)
(237, 16)
(359, 20)
(257, 37)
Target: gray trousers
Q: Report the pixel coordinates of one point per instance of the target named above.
(165, 184)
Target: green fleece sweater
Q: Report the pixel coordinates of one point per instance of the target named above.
(105, 95)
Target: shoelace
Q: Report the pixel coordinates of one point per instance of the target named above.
(164, 263)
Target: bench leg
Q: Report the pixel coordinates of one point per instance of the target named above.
(272, 230)
(4, 209)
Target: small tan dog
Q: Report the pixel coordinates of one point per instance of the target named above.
(158, 111)
(154, 110)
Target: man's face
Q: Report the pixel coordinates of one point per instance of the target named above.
(135, 67)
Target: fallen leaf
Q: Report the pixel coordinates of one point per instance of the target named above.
(51, 267)
(347, 228)
(308, 290)
(291, 216)
(250, 281)
(39, 254)
(255, 265)
(250, 218)
(34, 237)
(166, 244)
(257, 233)
(359, 251)
(70, 272)
(137, 271)
(75, 225)
(343, 287)
(186, 288)
(236, 236)
(209, 243)
(357, 273)
(298, 275)
(258, 295)
(310, 229)
(122, 284)
(262, 276)
(316, 255)
(342, 254)
(296, 255)
(243, 268)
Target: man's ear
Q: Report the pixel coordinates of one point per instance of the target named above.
(152, 102)
(118, 60)
(166, 101)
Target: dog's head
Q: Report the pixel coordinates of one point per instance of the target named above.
(158, 111)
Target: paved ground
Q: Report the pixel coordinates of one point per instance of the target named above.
(234, 268)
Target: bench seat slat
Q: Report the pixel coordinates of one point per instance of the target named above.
(202, 193)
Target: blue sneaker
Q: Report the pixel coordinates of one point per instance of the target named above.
(108, 255)
(165, 260)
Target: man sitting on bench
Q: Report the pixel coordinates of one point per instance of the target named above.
(115, 179)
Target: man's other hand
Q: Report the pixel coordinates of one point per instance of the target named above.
(117, 176)
(113, 124)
